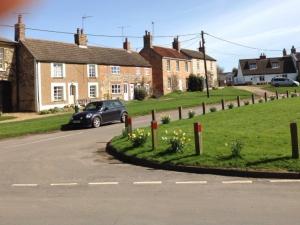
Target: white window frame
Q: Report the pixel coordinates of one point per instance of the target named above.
(138, 71)
(168, 65)
(186, 64)
(177, 65)
(97, 89)
(115, 70)
(275, 67)
(147, 71)
(2, 61)
(63, 70)
(116, 93)
(96, 70)
(254, 68)
(64, 91)
(169, 85)
(198, 65)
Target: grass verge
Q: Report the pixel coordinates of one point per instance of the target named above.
(3, 118)
(281, 90)
(263, 128)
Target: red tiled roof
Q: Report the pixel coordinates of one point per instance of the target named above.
(169, 52)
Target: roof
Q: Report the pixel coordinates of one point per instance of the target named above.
(297, 56)
(196, 54)
(2, 39)
(51, 51)
(169, 52)
(264, 66)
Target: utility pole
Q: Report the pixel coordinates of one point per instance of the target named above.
(205, 66)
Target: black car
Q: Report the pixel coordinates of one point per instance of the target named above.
(100, 112)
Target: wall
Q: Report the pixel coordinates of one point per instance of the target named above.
(211, 69)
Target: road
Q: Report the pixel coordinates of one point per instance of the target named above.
(67, 178)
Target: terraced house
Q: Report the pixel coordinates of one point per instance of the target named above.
(54, 74)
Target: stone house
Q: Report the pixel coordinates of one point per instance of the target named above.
(54, 74)
(170, 68)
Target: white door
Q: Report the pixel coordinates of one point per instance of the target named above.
(180, 85)
(73, 93)
(126, 94)
(131, 91)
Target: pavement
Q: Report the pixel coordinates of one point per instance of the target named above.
(68, 178)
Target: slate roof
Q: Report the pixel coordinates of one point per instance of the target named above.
(169, 52)
(196, 54)
(264, 66)
(52, 51)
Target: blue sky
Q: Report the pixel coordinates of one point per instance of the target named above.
(268, 24)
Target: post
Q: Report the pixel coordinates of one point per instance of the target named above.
(153, 115)
(294, 138)
(238, 101)
(223, 104)
(154, 128)
(253, 99)
(180, 113)
(277, 96)
(205, 66)
(295, 91)
(203, 108)
(266, 97)
(287, 93)
(129, 125)
(198, 138)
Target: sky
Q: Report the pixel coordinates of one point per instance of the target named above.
(264, 24)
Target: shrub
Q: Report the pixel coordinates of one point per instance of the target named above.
(272, 98)
(236, 148)
(44, 112)
(230, 106)
(293, 95)
(261, 100)
(195, 83)
(246, 102)
(177, 141)
(138, 137)
(213, 109)
(166, 119)
(191, 114)
(140, 93)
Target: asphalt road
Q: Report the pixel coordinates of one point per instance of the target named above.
(67, 178)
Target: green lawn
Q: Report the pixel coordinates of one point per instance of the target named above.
(184, 99)
(281, 90)
(2, 118)
(263, 128)
(47, 124)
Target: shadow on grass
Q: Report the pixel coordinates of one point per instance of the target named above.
(263, 161)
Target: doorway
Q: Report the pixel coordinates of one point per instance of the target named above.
(5, 96)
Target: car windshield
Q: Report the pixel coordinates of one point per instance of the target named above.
(93, 106)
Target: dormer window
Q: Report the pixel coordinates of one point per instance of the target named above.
(275, 65)
(252, 66)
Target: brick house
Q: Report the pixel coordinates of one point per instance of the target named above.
(54, 74)
(170, 68)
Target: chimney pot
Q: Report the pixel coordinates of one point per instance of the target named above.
(147, 40)
(19, 29)
(126, 45)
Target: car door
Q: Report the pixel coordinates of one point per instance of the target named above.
(106, 112)
(116, 110)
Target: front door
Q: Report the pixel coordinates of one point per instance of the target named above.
(131, 91)
(73, 93)
(126, 94)
(180, 85)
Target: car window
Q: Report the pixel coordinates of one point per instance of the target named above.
(93, 106)
(117, 104)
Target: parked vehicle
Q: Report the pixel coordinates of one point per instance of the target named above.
(283, 81)
(100, 112)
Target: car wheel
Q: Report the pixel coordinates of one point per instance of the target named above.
(96, 122)
(123, 117)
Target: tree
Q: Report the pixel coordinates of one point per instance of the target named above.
(195, 83)
(220, 70)
(235, 72)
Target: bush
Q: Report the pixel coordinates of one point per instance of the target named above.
(293, 95)
(246, 102)
(195, 83)
(140, 93)
(191, 114)
(139, 137)
(272, 98)
(177, 142)
(236, 149)
(213, 109)
(166, 119)
(44, 112)
(261, 100)
(230, 106)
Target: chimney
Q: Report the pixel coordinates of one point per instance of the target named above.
(293, 50)
(20, 29)
(126, 45)
(176, 44)
(262, 56)
(284, 52)
(147, 40)
(80, 38)
(201, 49)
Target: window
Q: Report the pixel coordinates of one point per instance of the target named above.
(92, 70)
(93, 90)
(147, 71)
(177, 66)
(125, 88)
(116, 89)
(115, 70)
(58, 70)
(186, 67)
(138, 71)
(58, 92)
(252, 66)
(168, 65)
(198, 65)
(261, 78)
(275, 65)
(147, 87)
(1, 58)
(169, 82)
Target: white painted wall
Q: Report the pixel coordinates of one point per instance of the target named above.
(211, 68)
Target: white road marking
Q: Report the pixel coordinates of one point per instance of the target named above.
(24, 185)
(238, 182)
(147, 182)
(191, 182)
(64, 184)
(103, 183)
(284, 181)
